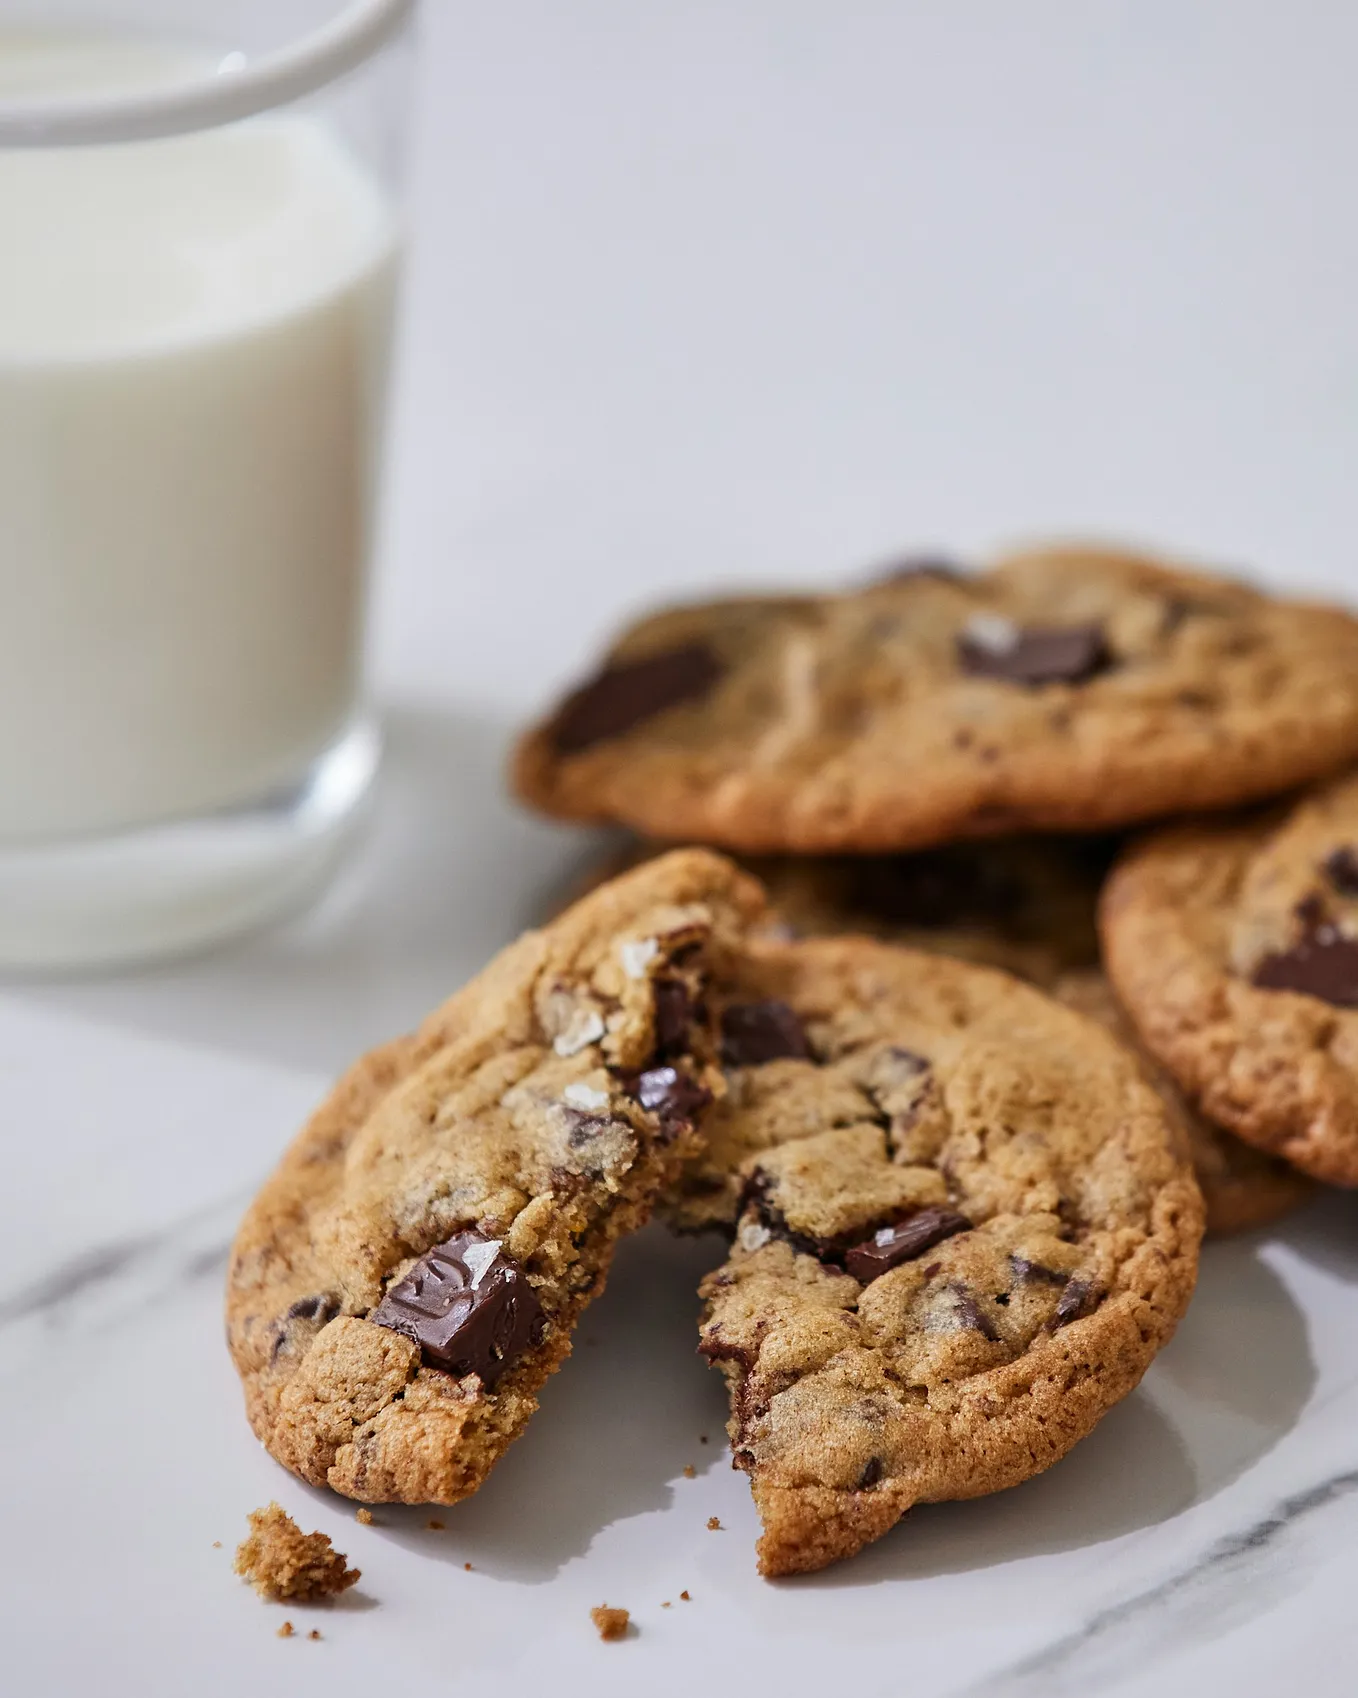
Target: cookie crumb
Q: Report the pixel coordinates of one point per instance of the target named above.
(702, 1438)
(285, 1632)
(315, 1633)
(216, 1544)
(686, 1598)
(713, 1525)
(666, 1604)
(690, 1472)
(434, 1525)
(364, 1516)
(281, 1561)
(467, 1566)
(612, 1624)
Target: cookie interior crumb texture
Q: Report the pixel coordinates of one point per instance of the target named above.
(281, 1561)
(414, 1270)
(611, 1623)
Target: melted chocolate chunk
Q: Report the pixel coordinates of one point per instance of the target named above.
(669, 1093)
(873, 1471)
(1341, 868)
(630, 691)
(1034, 654)
(322, 1307)
(468, 1307)
(755, 1032)
(970, 1314)
(1075, 1302)
(893, 1245)
(673, 1009)
(1036, 1273)
(1323, 965)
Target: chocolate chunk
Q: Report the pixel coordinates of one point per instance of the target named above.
(673, 1009)
(893, 1245)
(1036, 1273)
(1323, 965)
(1341, 868)
(322, 1307)
(755, 1032)
(1075, 1302)
(970, 1314)
(585, 1128)
(630, 691)
(468, 1307)
(872, 1473)
(670, 1093)
(1033, 654)
(1312, 912)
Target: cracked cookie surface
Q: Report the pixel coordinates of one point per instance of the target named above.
(1233, 945)
(410, 1275)
(1067, 689)
(968, 1244)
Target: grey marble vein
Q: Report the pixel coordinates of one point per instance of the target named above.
(1225, 1587)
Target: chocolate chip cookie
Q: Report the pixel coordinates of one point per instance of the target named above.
(1233, 945)
(964, 1231)
(1071, 689)
(1242, 1188)
(411, 1273)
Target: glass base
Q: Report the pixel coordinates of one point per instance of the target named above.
(145, 895)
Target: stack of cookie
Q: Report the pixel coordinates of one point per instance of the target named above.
(961, 1172)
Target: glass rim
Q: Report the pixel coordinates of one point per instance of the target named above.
(358, 31)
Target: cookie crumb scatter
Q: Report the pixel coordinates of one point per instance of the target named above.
(364, 1516)
(315, 1633)
(281, 1561)
(216, 1544)
(686, 1598)
(690, 1472)
(666, 1605)
(713, 1525)
(285, 1632)
(612, 1624)
(702, 1438)
(467, 1566)
(434, 1525)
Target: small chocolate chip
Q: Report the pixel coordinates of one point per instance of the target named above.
(673, 1008)
(1076, 1301)
(468, 1307)
(1341, 868)
(1323, 965)
(753, 1033)
(893, 1245)
(1034, 654)
(873, 1471)
(1036, 1273)
(629, 692)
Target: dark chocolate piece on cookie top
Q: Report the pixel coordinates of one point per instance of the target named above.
(1079, 1299)
(631, 691)
(990, 646)
(468, 1307)
(1341, 868)
(1323, 964)
(673, 1011)
(668, 1092)
(893, 1245)
(753, 1033)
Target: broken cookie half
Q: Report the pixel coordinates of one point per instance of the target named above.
(962, 1231)
(412, 1272)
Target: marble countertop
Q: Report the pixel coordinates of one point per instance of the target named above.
(699, 296)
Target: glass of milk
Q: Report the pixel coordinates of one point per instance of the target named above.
(197, 279)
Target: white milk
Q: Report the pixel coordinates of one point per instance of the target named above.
(193, 342)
